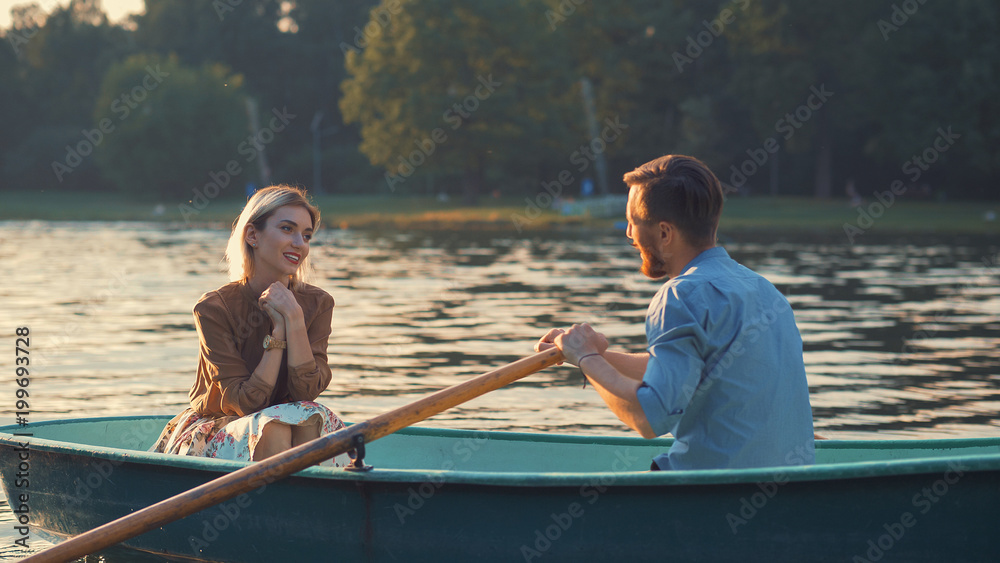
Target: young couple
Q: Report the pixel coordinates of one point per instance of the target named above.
(722, 372)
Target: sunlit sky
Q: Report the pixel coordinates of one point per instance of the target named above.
(117, 10)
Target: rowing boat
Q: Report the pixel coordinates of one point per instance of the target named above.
(442, 494)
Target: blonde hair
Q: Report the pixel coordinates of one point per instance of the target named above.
(263, 204)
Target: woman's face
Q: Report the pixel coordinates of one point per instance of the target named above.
(283, 243)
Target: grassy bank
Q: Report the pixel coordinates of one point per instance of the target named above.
(506, 213)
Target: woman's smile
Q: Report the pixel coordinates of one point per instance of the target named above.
(283, 243)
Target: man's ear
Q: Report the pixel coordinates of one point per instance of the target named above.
(668, 232)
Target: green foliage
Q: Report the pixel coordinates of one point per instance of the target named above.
(941, 68)
(451, 88)
(168, 126)
(31, 162)
(51, 75)
(66, 59)
(786, 51)
(15, 108)
(679, 78)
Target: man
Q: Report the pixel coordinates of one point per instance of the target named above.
(723, 369)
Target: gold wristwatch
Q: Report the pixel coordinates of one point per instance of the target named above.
(271, 342)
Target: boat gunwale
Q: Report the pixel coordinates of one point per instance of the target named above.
(824, 472)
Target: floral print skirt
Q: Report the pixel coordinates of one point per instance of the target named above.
(235, 437)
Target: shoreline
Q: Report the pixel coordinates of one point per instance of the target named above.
(752, 214)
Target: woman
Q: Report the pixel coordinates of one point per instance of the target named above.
(263, 338)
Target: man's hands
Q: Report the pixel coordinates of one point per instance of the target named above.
(616, 377)
(578, 341)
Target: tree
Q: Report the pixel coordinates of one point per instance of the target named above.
(15, 105)
(66, 59)
(170, 130)
(324, 32)
(290, 56)
(445, 87)
(938, 69)
(788, 51)
(51, 76)
(241, 35)
(665, 69)
(899, 73)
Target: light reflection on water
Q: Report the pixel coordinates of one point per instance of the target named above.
(901, 336)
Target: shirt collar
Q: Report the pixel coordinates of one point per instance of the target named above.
(709, 254)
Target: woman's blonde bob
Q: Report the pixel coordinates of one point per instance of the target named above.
(263, 204)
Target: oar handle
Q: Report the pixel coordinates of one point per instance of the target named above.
(291, 461)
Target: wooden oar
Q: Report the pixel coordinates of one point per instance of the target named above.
(291, 461)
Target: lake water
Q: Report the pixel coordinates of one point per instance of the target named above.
(901, 334)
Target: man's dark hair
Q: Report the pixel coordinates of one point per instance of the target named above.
(680, 190)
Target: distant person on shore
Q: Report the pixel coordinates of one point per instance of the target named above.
(723, 370)
(263, 354)
(852, 193)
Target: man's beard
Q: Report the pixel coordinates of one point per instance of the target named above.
(652, 266)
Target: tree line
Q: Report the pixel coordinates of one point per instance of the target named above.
(511, 97)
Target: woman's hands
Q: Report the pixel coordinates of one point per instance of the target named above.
(578, 341)
(279, 303)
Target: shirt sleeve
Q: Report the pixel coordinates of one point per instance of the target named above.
(308, 380)
(676, 363)
(242, 392)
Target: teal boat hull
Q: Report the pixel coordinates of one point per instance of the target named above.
(495, 496)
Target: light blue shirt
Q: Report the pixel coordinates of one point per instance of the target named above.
(725, 373)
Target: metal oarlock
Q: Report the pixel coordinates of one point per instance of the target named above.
(358, 455)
